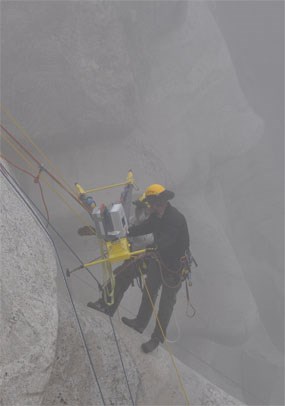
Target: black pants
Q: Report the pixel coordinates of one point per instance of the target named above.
(155, 278)
(124, 276)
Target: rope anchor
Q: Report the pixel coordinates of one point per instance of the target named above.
(37, 178)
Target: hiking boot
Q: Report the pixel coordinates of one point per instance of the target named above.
(150, 345)
(132, 323)
(101, 306)
(86, 230)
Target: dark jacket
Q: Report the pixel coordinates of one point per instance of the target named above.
(170, 234)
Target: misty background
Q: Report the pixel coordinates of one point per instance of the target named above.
(189, 94)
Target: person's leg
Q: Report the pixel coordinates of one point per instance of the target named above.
(166, 306)
(150, 291)
(124, 276)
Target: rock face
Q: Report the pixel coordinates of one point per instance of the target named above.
(29, 317)
(72, 380)
(43, 357)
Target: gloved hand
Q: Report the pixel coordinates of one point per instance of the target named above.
(152, 247)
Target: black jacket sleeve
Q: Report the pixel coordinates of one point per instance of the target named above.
(146, 227)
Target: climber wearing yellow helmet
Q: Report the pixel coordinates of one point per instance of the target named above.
(171, 240)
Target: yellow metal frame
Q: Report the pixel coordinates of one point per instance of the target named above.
(111, 251)
(117, 251)
(129, 181)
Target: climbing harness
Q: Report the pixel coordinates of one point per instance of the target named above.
(187, 262)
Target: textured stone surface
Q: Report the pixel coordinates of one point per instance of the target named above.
(164, 380)
(72, 381)
(152, 378)
(28, 303)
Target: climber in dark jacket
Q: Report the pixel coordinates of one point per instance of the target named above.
(168, 227)
(171, 239)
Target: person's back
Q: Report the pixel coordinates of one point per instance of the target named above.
(171, 236)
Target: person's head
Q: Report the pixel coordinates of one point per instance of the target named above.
(157, 198)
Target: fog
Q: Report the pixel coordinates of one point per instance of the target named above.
(187, 94)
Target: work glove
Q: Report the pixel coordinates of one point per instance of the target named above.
(152, 248)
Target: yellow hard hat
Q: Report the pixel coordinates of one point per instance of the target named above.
(157, 191)
(154, 190)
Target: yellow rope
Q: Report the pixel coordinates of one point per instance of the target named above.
(6, 139)
(29, 138)
(33, 166)
(100, 188)
(166, 344)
